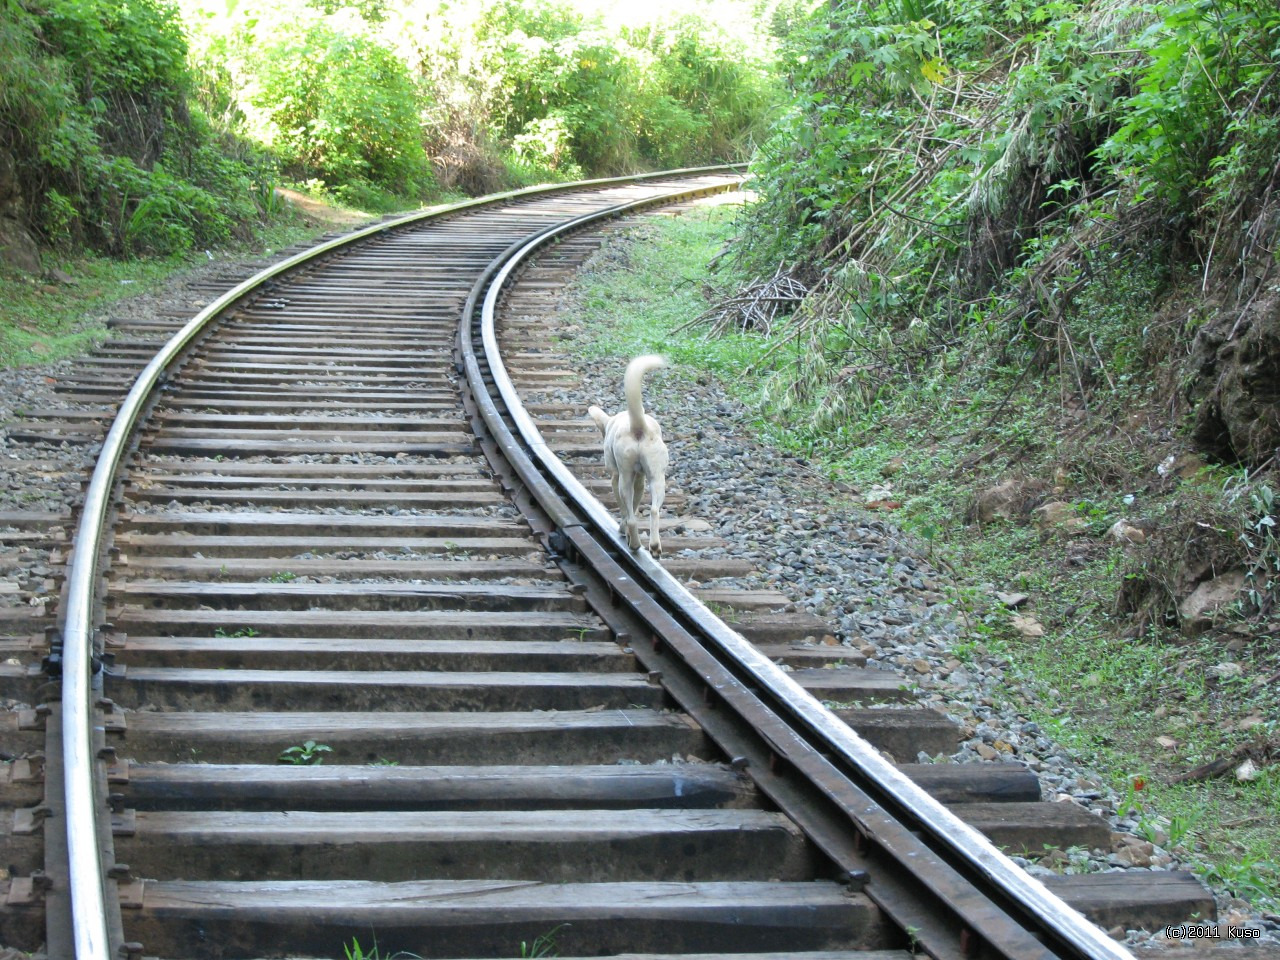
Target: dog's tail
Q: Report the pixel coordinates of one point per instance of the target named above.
(631, 384)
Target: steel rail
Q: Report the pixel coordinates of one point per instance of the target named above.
(75, 655)
(1073, 934)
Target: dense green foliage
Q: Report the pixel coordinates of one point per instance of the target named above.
(1202, 124)
(565, 90)
(952, 174)
(340, 105)
(157, 126)
(95, 122)
(473, 95)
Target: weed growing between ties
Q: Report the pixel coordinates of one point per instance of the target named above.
(1101, 657)
(543, 945)
(353, 951)
(308, 753)
(235, 634)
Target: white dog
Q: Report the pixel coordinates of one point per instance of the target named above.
(634, 452)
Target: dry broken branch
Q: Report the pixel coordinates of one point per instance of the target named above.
(755, 308)
(1260, 750)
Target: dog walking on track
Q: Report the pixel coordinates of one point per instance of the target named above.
(634, 453)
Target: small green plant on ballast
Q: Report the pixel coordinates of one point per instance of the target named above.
(913, 939)
(354, 951)
(307, 753)
(543, 945)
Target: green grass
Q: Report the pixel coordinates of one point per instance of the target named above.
(46, 321)
(1103, 694)
(354, 951)
(543, 945)
(635, 310)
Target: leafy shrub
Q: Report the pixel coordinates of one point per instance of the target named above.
(576, 82)
(33, 88)
(547, 143)
(118, 48)
(570, 94)
(93, 110)
(710, 94)
(341, 107)
(1203, 110)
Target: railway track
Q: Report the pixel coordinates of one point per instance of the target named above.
(336, 535)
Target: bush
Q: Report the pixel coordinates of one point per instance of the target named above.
(573, 97)
(93, 110)
(709, 96)
(1202, 117)
(547, 143)
(341, 108)
(34, 88)
(570, 86)
(117, 48)
(950, 174)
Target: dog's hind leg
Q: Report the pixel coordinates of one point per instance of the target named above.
(637, 501)
(628, 500)
(616, 481)
(657, 490)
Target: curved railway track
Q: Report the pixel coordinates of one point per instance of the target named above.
(325, 527)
